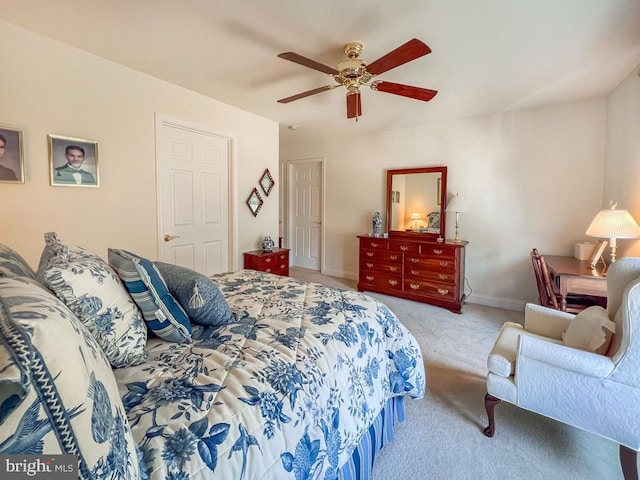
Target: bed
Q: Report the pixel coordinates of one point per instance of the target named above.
(305, 384)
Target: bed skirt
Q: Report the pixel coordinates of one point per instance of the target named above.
(380, 432)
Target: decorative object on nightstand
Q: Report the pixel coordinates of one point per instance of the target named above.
(457, 204)
(415, 216)
(613, 224)
(376, 224)
(268, 244)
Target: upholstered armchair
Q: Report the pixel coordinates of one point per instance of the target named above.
(533, 367)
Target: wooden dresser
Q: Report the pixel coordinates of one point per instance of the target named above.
(416, 269)
(276, 261)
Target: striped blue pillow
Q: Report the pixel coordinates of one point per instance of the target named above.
(162, 313)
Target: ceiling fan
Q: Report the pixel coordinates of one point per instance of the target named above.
(355, 73)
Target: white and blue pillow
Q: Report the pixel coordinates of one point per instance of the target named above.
(198, 295)
(162, 312)
(58, 395)
(12, 264)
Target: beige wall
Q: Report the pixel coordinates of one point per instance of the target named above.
(532, 178)
(48, 87)
(622, 175)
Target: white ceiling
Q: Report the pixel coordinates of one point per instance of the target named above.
(488, 56)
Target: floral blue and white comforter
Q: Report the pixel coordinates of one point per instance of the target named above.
(284, 393)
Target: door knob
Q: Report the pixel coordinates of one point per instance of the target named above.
(168, 238)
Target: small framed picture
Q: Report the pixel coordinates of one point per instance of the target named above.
(73, 162)
(596, 253)
(11, 156)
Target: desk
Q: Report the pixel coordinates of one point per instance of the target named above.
(571, 275)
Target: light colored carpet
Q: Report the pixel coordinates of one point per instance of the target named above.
(442, 436)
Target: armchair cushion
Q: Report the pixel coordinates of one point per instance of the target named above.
(590, 330)
(503, 355)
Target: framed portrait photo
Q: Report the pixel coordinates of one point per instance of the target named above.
(11, 155)
(73, 162)
(596, 253)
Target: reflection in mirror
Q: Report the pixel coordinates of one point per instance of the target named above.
(267, 182)
(415, 201)
(255, 202)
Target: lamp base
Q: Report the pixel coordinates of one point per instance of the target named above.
(456, 239)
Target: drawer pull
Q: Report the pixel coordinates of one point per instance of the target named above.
(415, 260)
(369, 254)
(444, 263)
(393, 257)
(375, 245)
(415, 272)
(443, 291)
(283, 266)
(268, 270)
(268, 259)
(437, 251)
(393, 269)
(393, 282)
(369, 277)
(414, 286)
(404, 248)
(282, 257)
(370, 265)
(443, 276)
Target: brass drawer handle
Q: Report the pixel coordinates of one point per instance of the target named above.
(393, 257)
(443, 263)
(268, 259)
(404, 248)
(370, 265)
(437, 251)
(393, 282)
(393, 269)
(443, 291)
(375, 245)
(268, 270)
(369, 277)
(369, 254)
(415, 260)
(283, 266)
(282, 257)
(414, 286)
(443, 276)
(415, 272)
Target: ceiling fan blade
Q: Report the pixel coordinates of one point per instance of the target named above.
(404, 53)
(306, 94)
(307, 62)
(354, 105)
(417, 93)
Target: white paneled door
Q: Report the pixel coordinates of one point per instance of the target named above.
(193, 198)
(305, 213)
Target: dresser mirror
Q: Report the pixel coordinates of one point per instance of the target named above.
(416, 201)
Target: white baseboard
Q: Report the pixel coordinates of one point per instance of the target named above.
(507, 304)
(340, 274)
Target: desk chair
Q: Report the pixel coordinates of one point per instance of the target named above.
(595, 387)
(549, 297)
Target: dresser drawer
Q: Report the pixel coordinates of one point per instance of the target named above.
(404, 247)
(380, 256)
(431, 289)
(374, 244)
(438, 250)
(382, 280)
(384, 267)
(417, 272)
(443, 265)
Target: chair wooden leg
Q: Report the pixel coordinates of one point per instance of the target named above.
(629, 463)
(489, 404)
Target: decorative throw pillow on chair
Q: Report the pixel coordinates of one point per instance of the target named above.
(590, 330)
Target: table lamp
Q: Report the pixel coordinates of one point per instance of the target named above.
(457, 204)
(415, 216)
(613, 224)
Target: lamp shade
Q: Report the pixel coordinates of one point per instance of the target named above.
(457, 204)
(415, 216)
(613, 223)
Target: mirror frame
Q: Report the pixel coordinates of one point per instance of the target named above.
(443, 201)
(255, 202)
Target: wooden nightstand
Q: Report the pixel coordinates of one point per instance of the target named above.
(276, 261)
